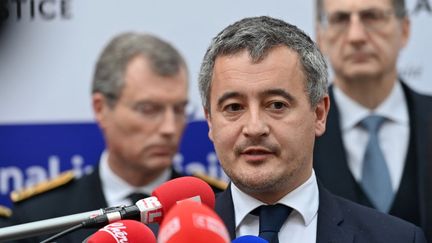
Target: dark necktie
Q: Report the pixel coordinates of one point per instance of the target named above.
(376, 181)
(271, 219)
(136, 196)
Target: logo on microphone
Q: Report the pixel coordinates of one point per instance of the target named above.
(206, 222)
(117, 231)
(151, 210)
(171, 228)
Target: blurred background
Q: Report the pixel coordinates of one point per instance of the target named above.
(48, 49)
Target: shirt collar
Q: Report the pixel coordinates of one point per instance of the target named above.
(394, 108)
(304, 200)
(116, 189)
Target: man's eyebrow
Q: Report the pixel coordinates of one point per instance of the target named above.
(278, 92)
(229, 95)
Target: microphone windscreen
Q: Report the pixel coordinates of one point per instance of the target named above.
(123, 231)
(249, 239)
(190, 221)
(187, 187)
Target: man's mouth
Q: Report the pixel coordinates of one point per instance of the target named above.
(256, 154)
(161, 150)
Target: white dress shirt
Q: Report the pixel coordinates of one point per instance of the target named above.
(393, 135)
(116, 189)
(301, 225)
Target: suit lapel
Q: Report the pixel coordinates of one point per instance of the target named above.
(330, 219)
(420, 122)
(90, 188)
(225, 209)
(330, 159)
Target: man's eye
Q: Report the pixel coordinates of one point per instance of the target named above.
(147, 109)
(180, 109)
(277, 105)
(372, 15)
(339, 18)
(233, 107)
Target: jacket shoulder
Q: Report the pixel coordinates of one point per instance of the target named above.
(372, 225)
(5, 212)
(216, 184)
(41, 188)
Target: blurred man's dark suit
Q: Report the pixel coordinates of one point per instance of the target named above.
(81, 195)
(413, 201)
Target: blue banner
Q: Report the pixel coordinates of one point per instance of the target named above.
(33, 153)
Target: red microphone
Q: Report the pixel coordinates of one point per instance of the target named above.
(190, 221)
(123, 231)
(184, 188)
(153, 209)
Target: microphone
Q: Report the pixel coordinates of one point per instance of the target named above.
(190, 221)
(123, 231)
(147, 210)
(249, 239)
(152, 209)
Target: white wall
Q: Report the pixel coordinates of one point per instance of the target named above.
(46, 65)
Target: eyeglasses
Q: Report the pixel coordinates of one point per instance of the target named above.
(372, 19)
(153, 111)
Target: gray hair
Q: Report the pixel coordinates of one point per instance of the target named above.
(110, 68)
(398, 6)
(259, 35)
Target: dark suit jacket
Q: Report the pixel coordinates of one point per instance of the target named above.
(340, 220)
(79, 196)
(330, 163)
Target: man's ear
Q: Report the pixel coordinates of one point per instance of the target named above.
(321, 112)
(207, 116)
(406, 31)
(100, 108)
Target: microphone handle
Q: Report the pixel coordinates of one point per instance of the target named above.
(126, 212)
(46, 226)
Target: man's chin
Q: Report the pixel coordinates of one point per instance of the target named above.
(159, 163)
(254, 184)
(361, 75)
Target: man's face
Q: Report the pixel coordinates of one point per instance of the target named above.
(261, 122)
(362, 39)
(143, 129)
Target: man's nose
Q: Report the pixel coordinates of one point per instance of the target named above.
(255, 124)
(168, 122)
(356, 31)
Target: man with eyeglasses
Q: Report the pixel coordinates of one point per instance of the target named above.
(139, 97)
(374, 150)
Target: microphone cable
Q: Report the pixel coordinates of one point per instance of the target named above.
(62, 233)
(130, 212)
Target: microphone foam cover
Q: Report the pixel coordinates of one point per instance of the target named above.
(249, 239)
(190, 221)
(187, 187)
(123, 231)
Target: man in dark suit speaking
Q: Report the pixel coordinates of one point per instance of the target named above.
(263, 84)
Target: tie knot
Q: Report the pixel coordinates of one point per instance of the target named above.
(136, 196)
(272, 217)
(372, 123)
